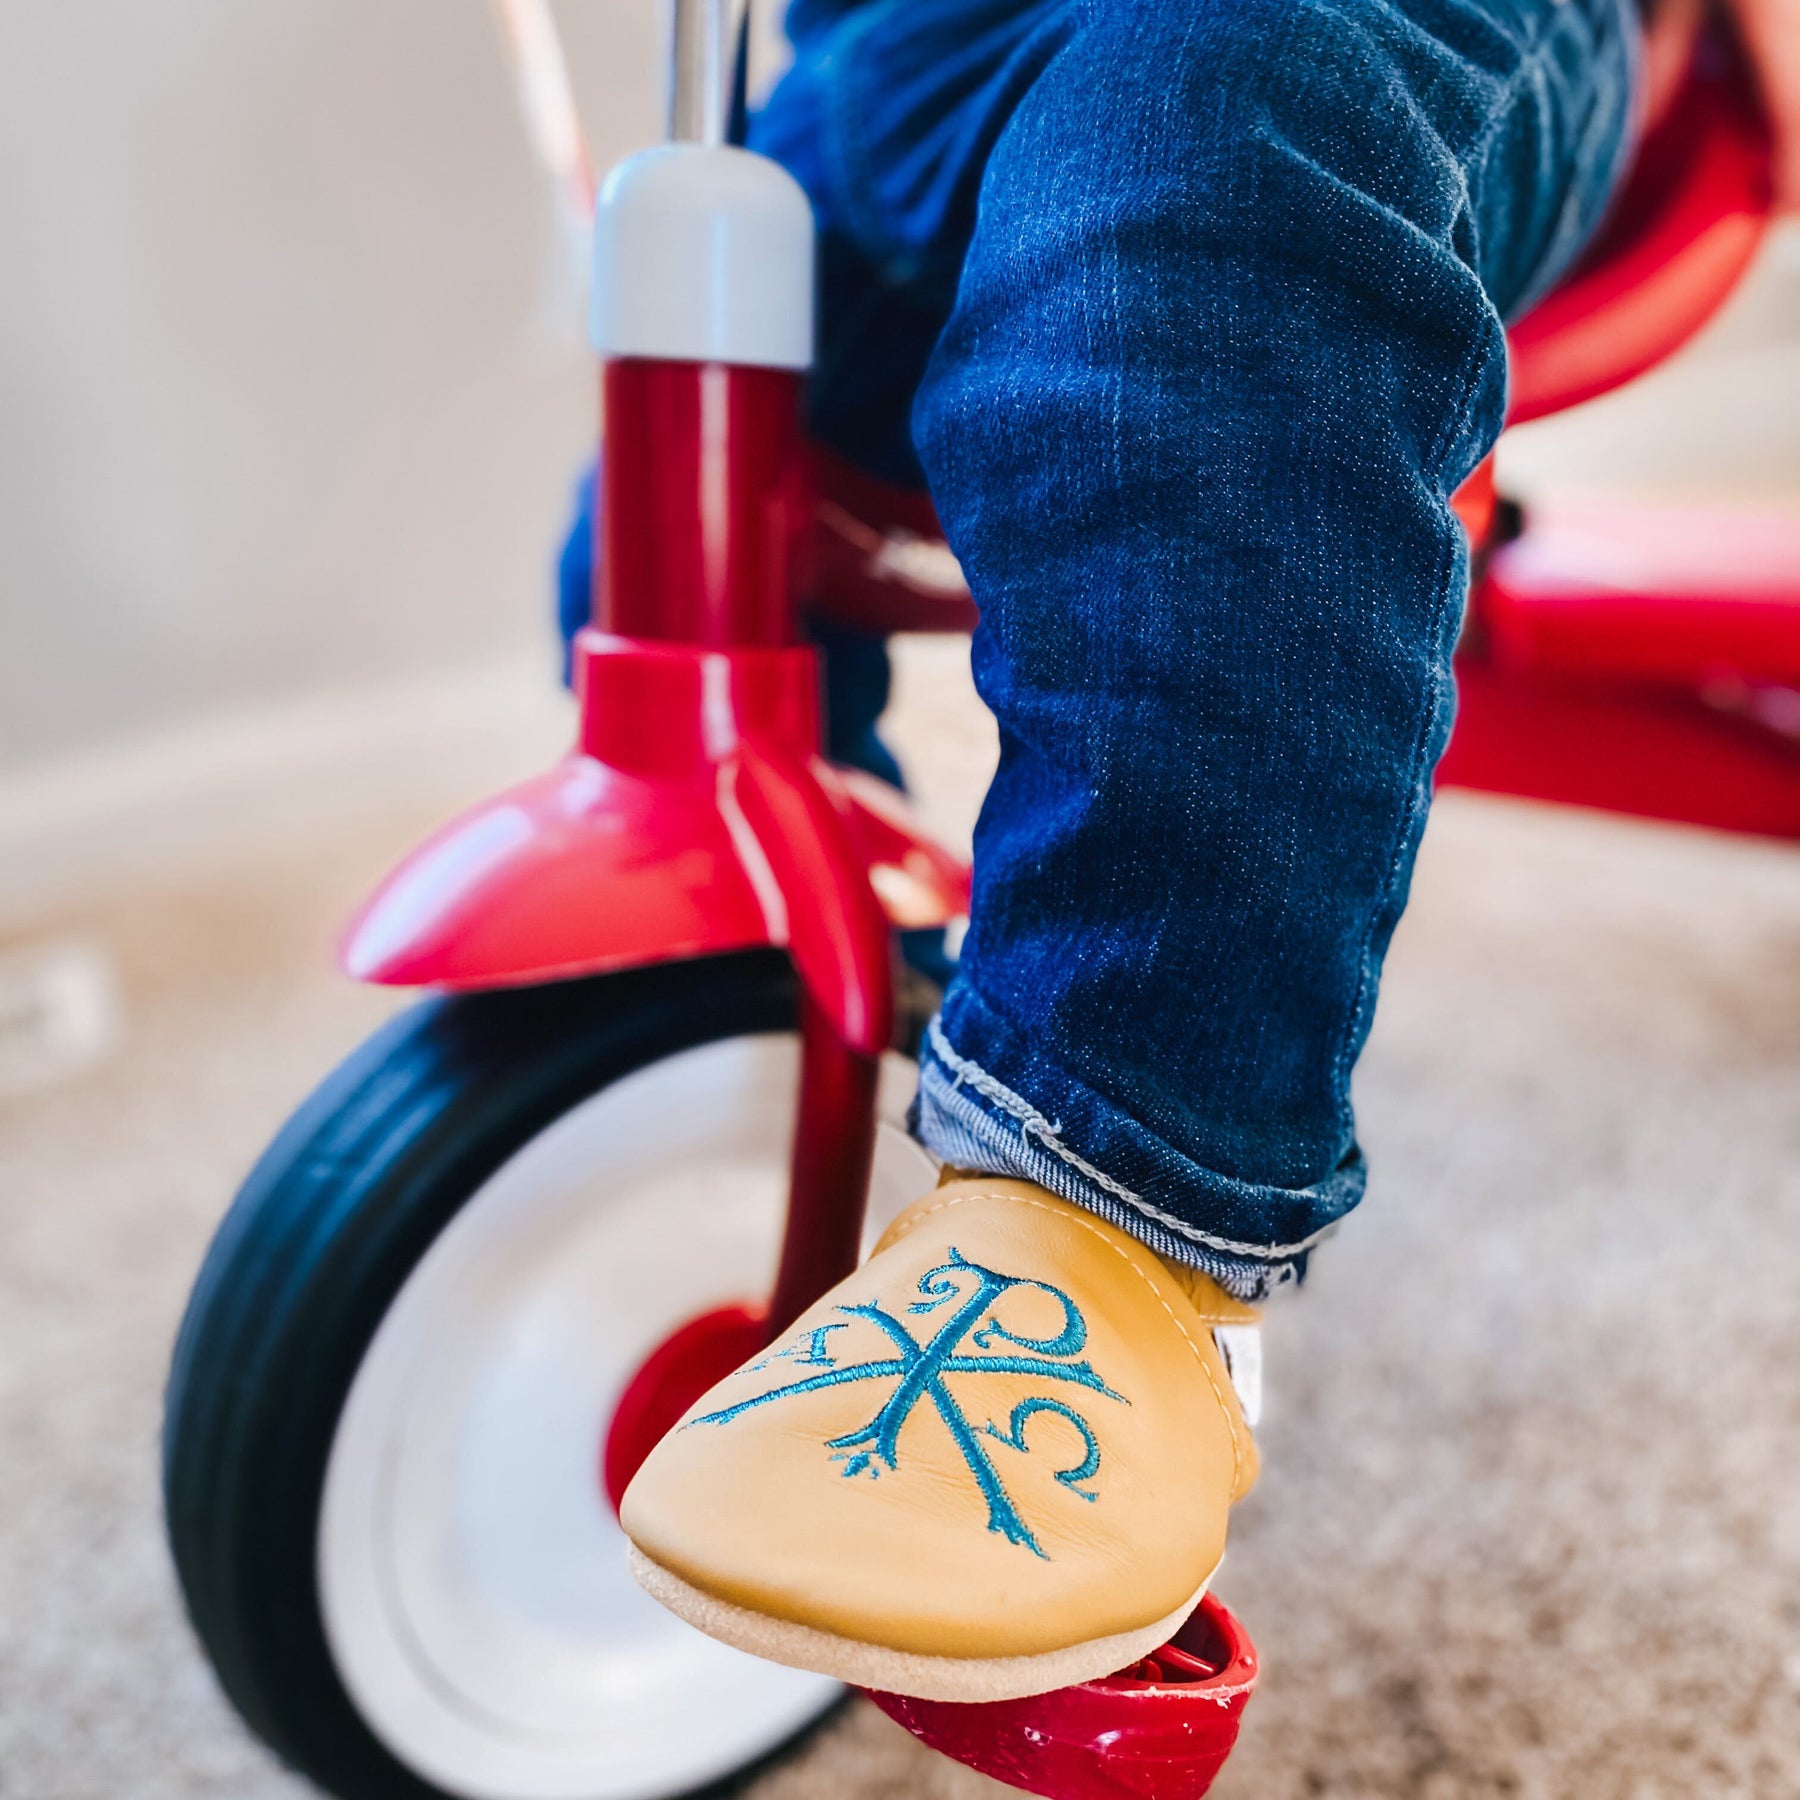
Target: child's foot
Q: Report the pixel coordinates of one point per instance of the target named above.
(996, 1460)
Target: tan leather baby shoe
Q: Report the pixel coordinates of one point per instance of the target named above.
(996, 1460)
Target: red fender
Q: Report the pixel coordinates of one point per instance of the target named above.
(834, 923)
(694, 817)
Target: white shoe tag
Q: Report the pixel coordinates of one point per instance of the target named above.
(1241, 1347)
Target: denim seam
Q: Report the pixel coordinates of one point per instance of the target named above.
(1361, 1004)
(1470, 374)
(1033, 1123)
(1237, 1448)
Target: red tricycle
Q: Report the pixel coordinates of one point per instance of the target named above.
(653, 1104)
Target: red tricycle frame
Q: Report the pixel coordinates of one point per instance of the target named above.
(696, 814)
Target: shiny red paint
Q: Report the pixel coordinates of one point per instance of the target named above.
(1653, 593)
(704, 496)
(1476, 502)
(1160, 1730)
(695, 816)
(1624, 747)
(876, 556)
(828, 1177)
(578, 870)
(1642, 660)
(831, 920)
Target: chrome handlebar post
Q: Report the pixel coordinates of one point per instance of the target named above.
(703, 52)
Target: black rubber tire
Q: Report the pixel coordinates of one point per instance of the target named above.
(332, 1220)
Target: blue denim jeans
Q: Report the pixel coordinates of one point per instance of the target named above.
(1189, 313)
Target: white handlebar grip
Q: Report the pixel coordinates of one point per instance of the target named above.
(703, 254)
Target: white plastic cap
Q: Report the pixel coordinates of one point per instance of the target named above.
(703, 254)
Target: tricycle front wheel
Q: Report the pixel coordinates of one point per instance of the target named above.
(391, 1395)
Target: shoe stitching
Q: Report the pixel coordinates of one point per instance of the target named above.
(1066, 1211)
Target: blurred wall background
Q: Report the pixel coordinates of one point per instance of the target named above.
(294, 383)
(293, 375)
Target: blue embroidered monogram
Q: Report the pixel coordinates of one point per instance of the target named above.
(808, 1353)
(1015, 1435)
(971, 1340)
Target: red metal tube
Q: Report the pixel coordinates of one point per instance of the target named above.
(828, 1184)
(702, 499)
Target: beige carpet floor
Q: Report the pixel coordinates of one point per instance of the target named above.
(1530, 1525)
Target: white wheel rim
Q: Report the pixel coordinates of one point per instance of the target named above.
(471, 1574)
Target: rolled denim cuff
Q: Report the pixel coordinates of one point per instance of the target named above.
(1251, 1238)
